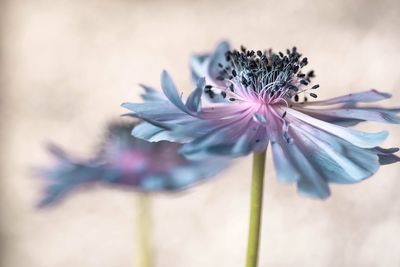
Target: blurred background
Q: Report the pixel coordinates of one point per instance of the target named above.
(67, 65)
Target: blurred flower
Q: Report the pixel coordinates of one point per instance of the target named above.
(127, 162)
(255, 98)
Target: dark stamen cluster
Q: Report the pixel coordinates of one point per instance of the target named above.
(275, 73)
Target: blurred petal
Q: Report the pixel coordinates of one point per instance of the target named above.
(207, 65)
(151, 94)
(130, 163)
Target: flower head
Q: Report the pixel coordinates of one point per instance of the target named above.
(255, 98)
(127, 162)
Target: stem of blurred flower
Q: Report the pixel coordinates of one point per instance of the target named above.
(143, 231)
(255, 209)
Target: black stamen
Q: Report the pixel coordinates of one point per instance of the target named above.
(279, 72)
(304, 82)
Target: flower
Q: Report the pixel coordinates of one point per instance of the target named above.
(255, 98)
(127, 162)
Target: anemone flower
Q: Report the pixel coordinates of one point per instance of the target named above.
(128, 162)
(245, 100)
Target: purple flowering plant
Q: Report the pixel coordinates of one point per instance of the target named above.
(246, 100)
(125, 162)
(253, 100)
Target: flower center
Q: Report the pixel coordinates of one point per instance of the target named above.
(267, 76)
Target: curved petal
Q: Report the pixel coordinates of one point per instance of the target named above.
(293, 163)
(358, 138)
(366, 96)
(337, 160)
(152, 133)
(193, 103)
(207, 65)
(160, 112)
(360, 114)
(152, 95)
(171, 92)
(66, 176)
(184, 177)
(232, 137)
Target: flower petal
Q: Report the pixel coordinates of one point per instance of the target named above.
(152, 133)
(293, 163)
(171, 92)
(207, 65)
(360, 114)
(193, 103)
(358, 138)
(185, 177)
(338, 160)
(152, 95)
(366, 96)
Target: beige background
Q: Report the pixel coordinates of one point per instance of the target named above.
(67, 65)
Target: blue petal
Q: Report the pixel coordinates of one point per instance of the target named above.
(67, 176)
(286, 172)
(185, 177)
(338, 160)
(218, 57)
(171, 92)
(152, 183)
(155, 111)
(207, 66)
(152, 95)
(354, 114)
(193, 103)
(358, 138)
(152, 133)
(311, 183)
(365, 97)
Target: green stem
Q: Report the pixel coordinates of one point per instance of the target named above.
(255, 209)
(143, 231)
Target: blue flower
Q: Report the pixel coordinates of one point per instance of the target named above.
(245, 100)
(127, 162)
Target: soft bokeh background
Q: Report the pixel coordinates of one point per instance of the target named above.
(67, 65)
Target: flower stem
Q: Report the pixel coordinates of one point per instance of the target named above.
(255, 209)
(143, 231)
